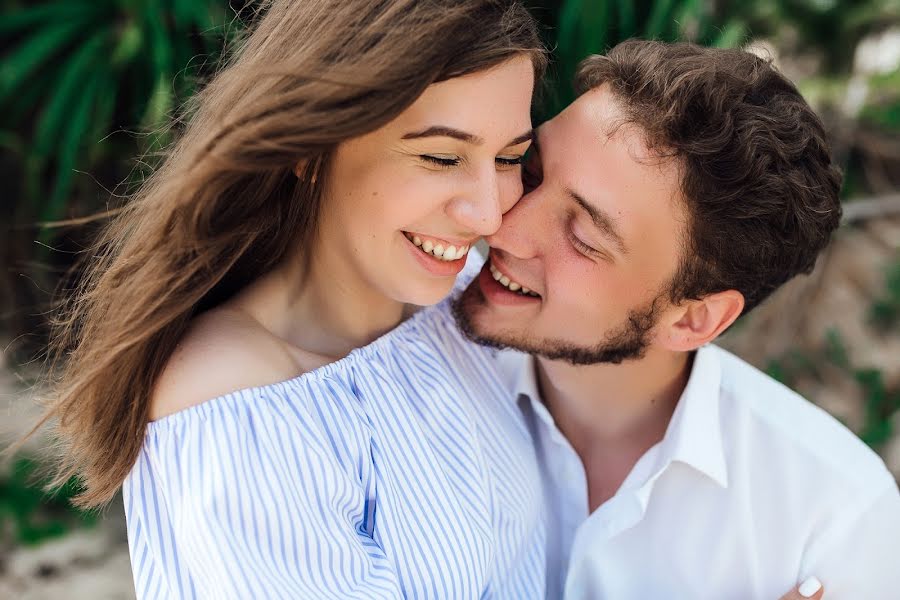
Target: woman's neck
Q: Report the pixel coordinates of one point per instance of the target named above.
(324, 309)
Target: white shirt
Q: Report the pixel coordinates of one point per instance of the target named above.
(751, 490)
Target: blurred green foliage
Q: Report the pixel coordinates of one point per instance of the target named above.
(879, 402)
(74, 71)
(831, 28)
(578, 28)
(885, 311)
(29, 515)
(884, 111)
(78, 76)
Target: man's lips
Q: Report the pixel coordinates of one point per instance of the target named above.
(498, 294)
(510, 284)
(506, 277)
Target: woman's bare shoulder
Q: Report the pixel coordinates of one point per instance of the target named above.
(223, 351)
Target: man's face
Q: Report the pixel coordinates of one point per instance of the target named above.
(595, 240)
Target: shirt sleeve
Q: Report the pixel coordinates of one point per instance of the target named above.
(253, 508)
(856, 557)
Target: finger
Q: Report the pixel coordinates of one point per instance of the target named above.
(811, 588)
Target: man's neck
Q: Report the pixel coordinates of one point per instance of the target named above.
(613, 414)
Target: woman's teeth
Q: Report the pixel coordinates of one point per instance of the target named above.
(447, 253)
(509, 283)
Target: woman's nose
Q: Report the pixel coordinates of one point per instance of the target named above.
(480, 208)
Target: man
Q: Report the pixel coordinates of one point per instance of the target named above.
(680, 189)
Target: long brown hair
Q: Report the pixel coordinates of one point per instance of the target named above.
(226, 206)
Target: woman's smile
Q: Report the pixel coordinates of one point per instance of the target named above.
(439, 248)
(438, 257)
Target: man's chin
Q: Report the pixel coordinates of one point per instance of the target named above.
(469, 310)
(627, 342)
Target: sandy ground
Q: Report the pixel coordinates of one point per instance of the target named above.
(86, 564)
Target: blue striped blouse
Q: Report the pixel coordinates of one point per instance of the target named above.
(404, 470)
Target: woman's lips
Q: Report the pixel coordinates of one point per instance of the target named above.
(433, 264)
(438, 248)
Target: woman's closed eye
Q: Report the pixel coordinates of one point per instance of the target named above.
(442, 160)
(510, 161)
(447, 161)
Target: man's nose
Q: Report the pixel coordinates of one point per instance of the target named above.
(517, 234)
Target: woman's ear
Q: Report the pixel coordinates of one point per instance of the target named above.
(307, 169)
(701, 321)
(300, 169)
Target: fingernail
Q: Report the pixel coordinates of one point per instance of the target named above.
(810, 587)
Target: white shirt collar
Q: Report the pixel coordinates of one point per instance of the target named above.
(694, 435)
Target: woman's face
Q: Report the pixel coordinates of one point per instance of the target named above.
(430, 182)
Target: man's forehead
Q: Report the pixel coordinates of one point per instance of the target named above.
(591, 122)
(593, 150)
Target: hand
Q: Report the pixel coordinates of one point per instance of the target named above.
(811, 588)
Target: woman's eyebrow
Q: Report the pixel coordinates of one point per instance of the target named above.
(528, 136)
(442, 131)
(469, 138)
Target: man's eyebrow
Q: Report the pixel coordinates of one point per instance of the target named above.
(469, 138)
(602, 221)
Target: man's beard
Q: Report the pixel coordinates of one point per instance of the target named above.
(628, 341)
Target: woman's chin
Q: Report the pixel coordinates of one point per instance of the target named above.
(427, 294)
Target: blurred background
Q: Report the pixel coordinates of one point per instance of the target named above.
(88, 86)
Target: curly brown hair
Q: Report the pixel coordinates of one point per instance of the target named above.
(757, 177)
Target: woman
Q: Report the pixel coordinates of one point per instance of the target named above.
(232, 356)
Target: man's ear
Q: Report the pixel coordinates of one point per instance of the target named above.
(698, 322)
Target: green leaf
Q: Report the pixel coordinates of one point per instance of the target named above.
(104, 112)
(33, 52)
(159, 41)
(776, 371)
(70, 144)
(569, 17)
(594, 28)
(835, 350)
(162, 47)
(659, 21)
(689, 20)
(732, 36)
(23, 18)
(627, 27)
(204, 15)
(23, 104)
(583, 29)
(70, 86)
(12, 142)
(130, 43)
(160, 103)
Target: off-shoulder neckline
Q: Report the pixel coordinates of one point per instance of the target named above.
(357, 354)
